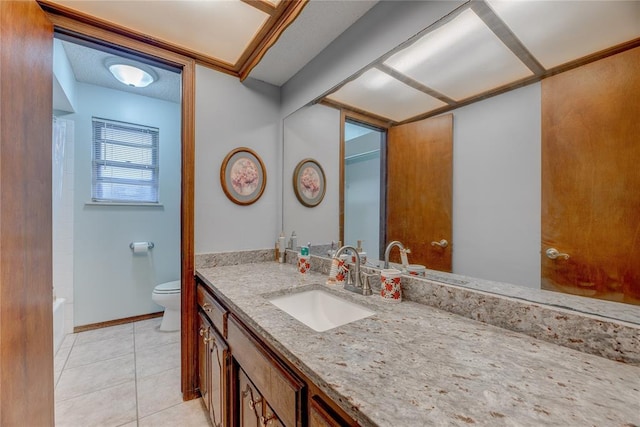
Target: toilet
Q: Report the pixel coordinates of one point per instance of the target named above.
(168, 295)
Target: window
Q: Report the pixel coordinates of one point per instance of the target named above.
(125, 162)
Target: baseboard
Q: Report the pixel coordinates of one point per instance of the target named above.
(115, 322)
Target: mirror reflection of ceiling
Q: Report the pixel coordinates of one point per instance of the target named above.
(232, 36)
(484, 48)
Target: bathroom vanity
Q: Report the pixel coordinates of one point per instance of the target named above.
(408, 364)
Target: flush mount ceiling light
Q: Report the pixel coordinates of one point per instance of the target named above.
(129, 73)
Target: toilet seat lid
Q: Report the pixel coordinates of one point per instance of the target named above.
(168, 287)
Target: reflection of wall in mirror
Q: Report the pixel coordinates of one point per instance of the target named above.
(312, 132)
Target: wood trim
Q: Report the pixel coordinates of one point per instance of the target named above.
(285, 14)
(343, 120)
(116, 322)
(414, 84)
(189, 328)
(263, 5)
(360, 115)
(507, 37)
(123, 41)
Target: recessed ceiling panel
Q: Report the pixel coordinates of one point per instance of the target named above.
(568, 30)
(220, 29)
(460, 59)
(380, 94)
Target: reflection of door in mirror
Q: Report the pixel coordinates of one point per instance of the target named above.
(591, 179)
(363, 217)
(419, 189)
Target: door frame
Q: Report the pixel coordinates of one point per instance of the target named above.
(383, 127)
(84, 30)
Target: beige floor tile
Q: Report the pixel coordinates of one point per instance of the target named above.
(96, 376)
(191, 413)
(104, 333)
(152, 337)
(60, 359)
(113, 406)
(146, 324)
(96, 351)
(68, 341)
(131, 424)
(158, 392)
(153, 360)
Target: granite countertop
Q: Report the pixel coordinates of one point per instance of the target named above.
(412, 364)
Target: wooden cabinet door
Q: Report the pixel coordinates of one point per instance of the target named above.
(320, 417)
(219, 361)
(591, 179)
(250, 402)
(204, 360)
(420, 190)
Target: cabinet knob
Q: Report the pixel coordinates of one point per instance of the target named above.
(206, 307)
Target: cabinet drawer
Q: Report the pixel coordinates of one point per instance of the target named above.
(279, 387)
(214, 311)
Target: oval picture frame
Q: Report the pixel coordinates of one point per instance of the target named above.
(243, 176)
(309, 182)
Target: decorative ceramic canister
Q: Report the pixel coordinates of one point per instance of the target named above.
(304, 265)
(343, 270)
(417, 270)
(390, 289)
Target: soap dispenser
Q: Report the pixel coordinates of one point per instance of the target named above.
(362, 253)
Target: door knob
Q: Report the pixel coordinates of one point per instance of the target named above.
(442, 243)
(553, 253)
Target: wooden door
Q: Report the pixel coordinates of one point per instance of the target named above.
(591, 179)
(26, 297)
(419, 190)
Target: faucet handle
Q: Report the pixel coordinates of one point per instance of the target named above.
(366, 284)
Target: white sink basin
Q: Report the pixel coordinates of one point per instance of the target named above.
(320, 310)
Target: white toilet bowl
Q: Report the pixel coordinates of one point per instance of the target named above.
(168, 295)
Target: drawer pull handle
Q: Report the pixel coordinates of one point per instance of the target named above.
(202, 331)
(206, 307)
(252, 403)
(266, 420)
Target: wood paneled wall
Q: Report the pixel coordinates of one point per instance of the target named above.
(26, 296)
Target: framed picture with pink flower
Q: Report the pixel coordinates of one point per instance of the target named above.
(243, 176)
(309, 182)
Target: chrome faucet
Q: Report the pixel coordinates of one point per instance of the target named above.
(356, 285)
(388, 250)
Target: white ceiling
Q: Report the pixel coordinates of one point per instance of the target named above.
(319, 23)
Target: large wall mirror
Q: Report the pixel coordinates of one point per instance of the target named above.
(534, 122)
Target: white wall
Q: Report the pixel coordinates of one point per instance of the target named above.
(110, 281)
(231, 114)
(497, 188)
(312, 132)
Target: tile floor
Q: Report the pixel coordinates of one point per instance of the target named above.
(125, 375)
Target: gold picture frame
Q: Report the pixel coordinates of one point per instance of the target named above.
(243, 176)
(309, 182)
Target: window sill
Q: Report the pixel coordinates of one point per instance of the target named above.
(133, 204)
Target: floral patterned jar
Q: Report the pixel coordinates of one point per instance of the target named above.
(390, 289)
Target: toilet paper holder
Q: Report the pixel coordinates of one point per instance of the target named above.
(150, 245)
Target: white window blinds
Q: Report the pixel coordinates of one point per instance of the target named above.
(125, 162)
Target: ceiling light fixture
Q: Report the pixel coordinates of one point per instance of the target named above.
(129, 73)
